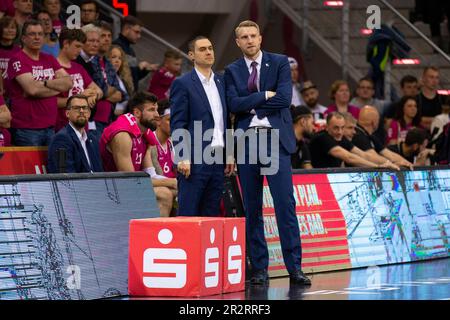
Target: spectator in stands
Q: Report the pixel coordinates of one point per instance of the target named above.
(413, 149)
(53, 7)
(5, 122)
(89, 12)
(23, 11)
(429, 101)
(407, 117)
(434, 12)
(365, 96)
(81, 148)
(130, 34)
(439, 122)
(303, 120)
(105, 37)
(123, 147)
(8, 34)
(310, 95)
(7, 8)
(120, 64)
(163, 78)
(162, 151)
(340, 93)
(104, 76)
(296, 86)
(42, 79)
(330, 149)
(51, 44)
(410, 88)
(71, 42)
(350, 126)
(365, 140)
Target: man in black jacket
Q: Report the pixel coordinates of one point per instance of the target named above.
(73, 149)
(130, 34)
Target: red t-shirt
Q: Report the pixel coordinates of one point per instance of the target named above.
(397, 132)
(124, 123)
(5, 137)
(165, 154)
(104, 107)
(354, 111)
(5, 56)
(32, 113)
(161, 82)
(7, 6)
(81, 80)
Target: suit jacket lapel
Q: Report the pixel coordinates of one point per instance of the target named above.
(221, 89)
(243, 71)
(79, 147)
(265, 67)
(199, 86)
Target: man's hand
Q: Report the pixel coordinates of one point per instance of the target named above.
(271, 94)
(144, 65)
(389, 165)
(184, 167)
(405, 163)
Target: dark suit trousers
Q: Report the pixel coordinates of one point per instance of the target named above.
(281, 189)
(200, 194)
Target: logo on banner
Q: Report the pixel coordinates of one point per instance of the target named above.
(235, 261)
(212, 263)
(165, 274)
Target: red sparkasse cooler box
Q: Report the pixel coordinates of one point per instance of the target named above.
(180, 257)
(234, 254)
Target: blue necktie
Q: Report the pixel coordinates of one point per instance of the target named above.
(252, 80)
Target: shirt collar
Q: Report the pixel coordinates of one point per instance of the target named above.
(85, 57)
(248, 62)
(81, 136)
(203, 78)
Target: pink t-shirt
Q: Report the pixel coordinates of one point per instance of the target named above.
(160, 83)
(351, 109)
(165, 154)
(396, 132)
(5, 56)
(104, 107)
(124, 123)
(81, 80)
(32, 113)
(5, 137)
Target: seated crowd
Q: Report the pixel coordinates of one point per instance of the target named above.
(76, 90)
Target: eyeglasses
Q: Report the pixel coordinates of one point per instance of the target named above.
(79, 108)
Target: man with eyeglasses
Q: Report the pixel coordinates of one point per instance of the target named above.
(36, 79)
(73, 149)
(130, 34)
(89, 12)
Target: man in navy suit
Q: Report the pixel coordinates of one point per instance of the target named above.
(259, 92)
(81, 148)
(198, 113)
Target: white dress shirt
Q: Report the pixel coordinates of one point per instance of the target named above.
(264, 122)
(83, 138)
(212, 93)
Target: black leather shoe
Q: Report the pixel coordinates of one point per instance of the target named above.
(259, 277)
(298, 277)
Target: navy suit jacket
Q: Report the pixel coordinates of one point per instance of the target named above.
(275, 75)
(189, 103)
(76, 161)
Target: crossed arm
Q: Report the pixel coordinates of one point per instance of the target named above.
(61, 83)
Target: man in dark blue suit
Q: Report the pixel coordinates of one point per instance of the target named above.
(198, 121)
(259, 92)
(81, 148)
